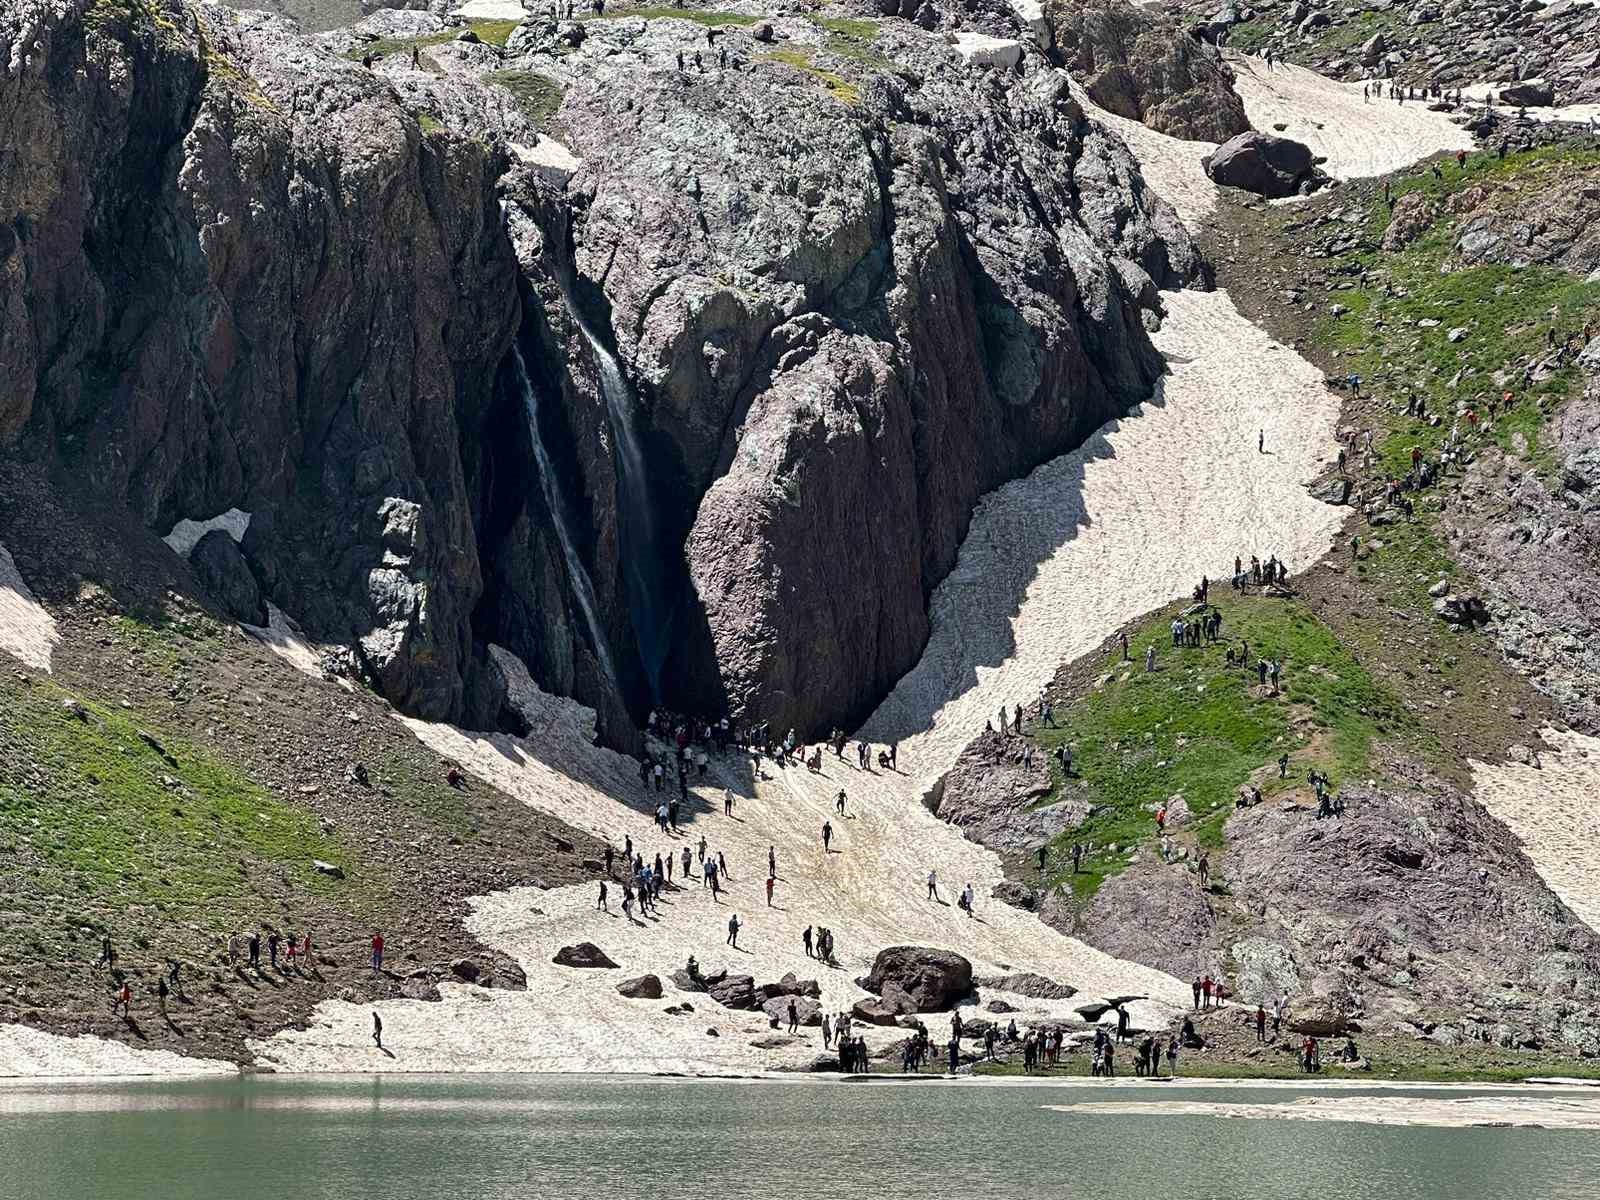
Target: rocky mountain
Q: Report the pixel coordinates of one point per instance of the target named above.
(688, 406)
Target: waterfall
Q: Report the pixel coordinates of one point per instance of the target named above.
(641, 552)
(581, 585)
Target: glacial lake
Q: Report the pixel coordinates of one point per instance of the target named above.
(585, 1137)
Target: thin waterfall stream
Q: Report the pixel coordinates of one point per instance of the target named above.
(582, 586)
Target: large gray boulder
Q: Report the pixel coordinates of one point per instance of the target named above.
(934, 980)
(1262, 163)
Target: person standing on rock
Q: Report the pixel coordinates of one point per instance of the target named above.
(108, 954)
(255, 949)
(1261, 1023)
(272, 948)
(827, 827)
(733, 931)
(1123, 638)
(377, 951)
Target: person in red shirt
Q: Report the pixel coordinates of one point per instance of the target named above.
(377, 951)
(1205, 991)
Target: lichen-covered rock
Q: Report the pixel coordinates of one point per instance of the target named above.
(1143, 66)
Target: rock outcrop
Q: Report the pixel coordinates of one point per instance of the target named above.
(1143, 66)
(991, 794)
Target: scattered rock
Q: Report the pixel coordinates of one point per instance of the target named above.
(641, 987)
(583, 954)
(331, 870)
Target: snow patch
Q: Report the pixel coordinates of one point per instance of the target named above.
(34, 1054)
(186, 534)
(27, 632)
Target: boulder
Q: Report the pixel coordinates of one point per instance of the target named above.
(1373, 50)
(1262, 163)
(420, 987)
(583, 954)
(981, 50)
(1530, 93)
(933, 979)
(1412, 215)
(466, 970)
(221, 568)
(684, 982)
(1467, 611)
(876, 1011)
(641, 987)
(1000, 1006)
(735, 991)
(331, 870)
(1317, 1016)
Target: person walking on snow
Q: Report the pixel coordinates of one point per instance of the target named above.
(827, 835)
(733, 931)
(933, 886)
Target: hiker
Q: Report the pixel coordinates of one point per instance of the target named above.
(610, 856)
(1077, 857)
(1261, 441)
(933, 886)
(827, 829)
(377, 1030)
(1044, 852)
(1172, 1056)
(272, 948)
(377, 951)
(805, 940)
(770, 882)
(233, 949)
(966, 896)
(125, 998)
(1261, 1023)
(794, 1017)
(255, 949)
(772, 861)
(600, 903)
(1123, 638)
(838, 802)
(733, 931)
(1196, 989)
(727, 802)
(289, 951)
(1204, 867)
(1283, 766)
(416, 59)
(108, 954)
(1150, 660)
(827, 1031)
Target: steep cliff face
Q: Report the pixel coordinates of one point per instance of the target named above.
(844, 304)
(247, 279)
(699, 424)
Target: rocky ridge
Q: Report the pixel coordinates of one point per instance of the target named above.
(744, 394)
